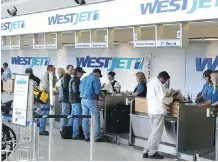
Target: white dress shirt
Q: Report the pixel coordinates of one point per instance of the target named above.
(110, 89)
(156, 97)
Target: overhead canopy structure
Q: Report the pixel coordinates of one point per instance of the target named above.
(107, 16)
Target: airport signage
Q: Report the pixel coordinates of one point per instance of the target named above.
(206, 63)
(110, 63)
(108, 14)
(30, 61)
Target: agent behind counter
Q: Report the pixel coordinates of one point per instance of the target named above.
(204, 97)
(113, 86)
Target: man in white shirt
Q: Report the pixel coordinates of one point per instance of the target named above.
(156, 100)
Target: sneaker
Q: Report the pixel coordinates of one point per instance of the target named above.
(99, 140)
(87, 140)
(78, 138)
(145, 155)
(44, 133)
(156, 156)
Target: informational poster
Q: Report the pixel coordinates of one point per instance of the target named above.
(20, 99)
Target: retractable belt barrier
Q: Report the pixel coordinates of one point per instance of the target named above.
(31, 116)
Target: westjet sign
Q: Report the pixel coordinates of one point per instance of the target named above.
(163, 6)
(201, 63)
(31, 61)
(110, 63)
(74, 18)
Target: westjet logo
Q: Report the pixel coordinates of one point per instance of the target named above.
(201, 63)
(31, 61)
(163, 6)
(74, 18)
(110, 63)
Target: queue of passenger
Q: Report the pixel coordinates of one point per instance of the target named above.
(81, 97)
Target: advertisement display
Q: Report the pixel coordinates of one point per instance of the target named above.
(20, 100)
(135, 12)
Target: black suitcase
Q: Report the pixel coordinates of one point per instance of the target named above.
(117, 118)
(66, 132)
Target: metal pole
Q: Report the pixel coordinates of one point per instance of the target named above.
(34, 141)
(216, 139)
(92, 137)
(51, 113)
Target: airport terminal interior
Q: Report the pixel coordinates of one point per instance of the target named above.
(109, 80)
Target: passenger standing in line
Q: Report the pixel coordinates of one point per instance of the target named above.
(7, 72)
(75, 100)
(61, 73)
(90, 89)
(44, 86)
(64, 94)
(156, 100)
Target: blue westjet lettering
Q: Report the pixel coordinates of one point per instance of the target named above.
(162, 6)
(73, 18)
(109, 62)
(12, 25)
(32, 61)
(202, 63)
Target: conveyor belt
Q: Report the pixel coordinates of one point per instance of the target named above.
(123, 135)
(200, 151)
(209, 156)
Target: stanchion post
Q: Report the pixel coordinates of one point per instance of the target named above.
(35, 133)
(92, 137)
(51, 96)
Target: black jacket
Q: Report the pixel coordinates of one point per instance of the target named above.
(74, 92)
(64, 89)
(35, 78)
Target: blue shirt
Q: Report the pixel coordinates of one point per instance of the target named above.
(214, 97)
(141, 90)
(6, 74)
(90, 87)
(207, 91)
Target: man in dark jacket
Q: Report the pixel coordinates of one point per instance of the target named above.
(32, 76)
(75, 100)
(64, 94)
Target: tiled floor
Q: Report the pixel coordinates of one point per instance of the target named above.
(70, 150)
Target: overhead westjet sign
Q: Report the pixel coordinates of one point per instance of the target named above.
(110, 63)
(74, 18)
(163, 6)
(108, 15)
(12, 25)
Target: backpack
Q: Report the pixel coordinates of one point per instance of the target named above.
(40, 96)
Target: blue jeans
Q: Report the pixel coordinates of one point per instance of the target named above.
(76, 110)
(65, 110)
(45, 111)
(89, 105)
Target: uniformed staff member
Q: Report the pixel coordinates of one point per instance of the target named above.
(214, 96)
(205, 95)
(141, 89)
(113, 86)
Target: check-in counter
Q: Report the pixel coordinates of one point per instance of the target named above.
(108, 106)
(141, 128)
(190, 135)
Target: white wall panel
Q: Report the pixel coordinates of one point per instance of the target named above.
(179, 62)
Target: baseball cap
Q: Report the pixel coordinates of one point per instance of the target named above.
(97, 71)
(80, 70)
